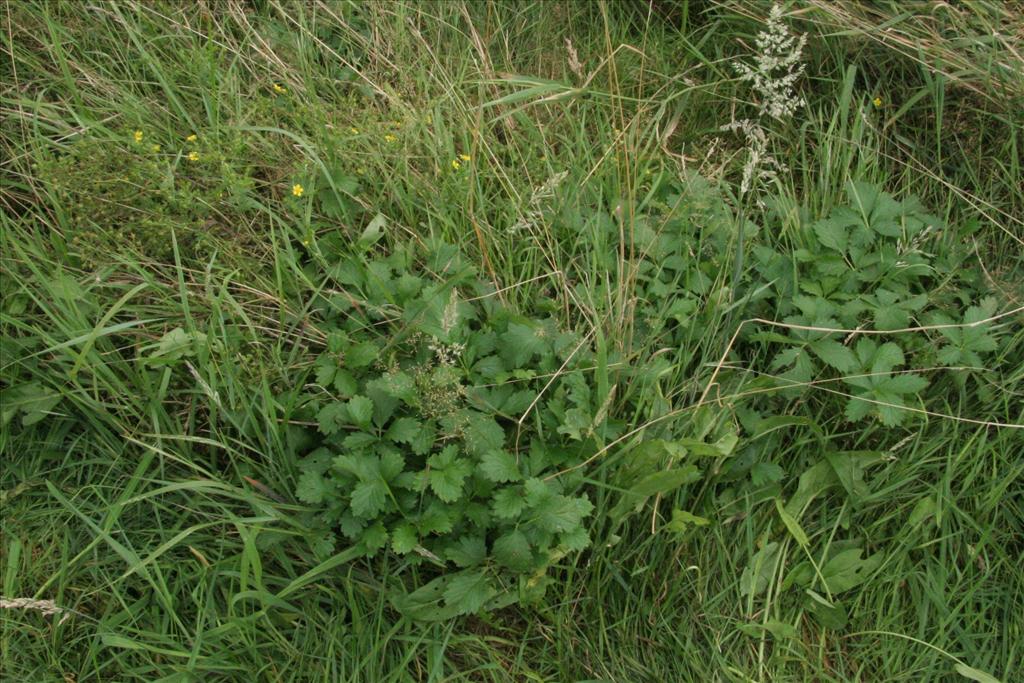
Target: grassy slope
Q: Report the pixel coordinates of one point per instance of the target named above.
(132, 506)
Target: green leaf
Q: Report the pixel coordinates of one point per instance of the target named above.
(832, 232)
(828, 614)
(661, 482)
(513, 551)
(903, 383)
(499, 467)
(331, 417)
(369, 498)
(468, 551)
(469, 591)
(311, 488)
(760, 570)
(560, 513)
(360, 409)
(446, 474)
(974, 674)
(374, 538)
(508, 503)
(372, 232)
(888, 356)
(361, 355)
(344, 383)
(325, 369)
(835, 354)
(403, 430)
(847, 570)
(523, 342)
(793, 526)
(683, 520)
(404, 538)
(482, 434)
(576, 423)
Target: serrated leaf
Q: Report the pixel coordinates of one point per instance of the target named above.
(404, 538)
(361, 355)
(469, 591)
(513, 551)
(482, 433)
(832, 233)
(360, 410)
(575, 540)
(374, 538)
(559, 514)
(888, 356)
(325, 369)
(903, 383)
(508, 503)
(835, 354)
(468, 551)
(369, 498)
(311, 488)
(403, 430)
(499, 467)
(344, 383)
(331, 417)
(446, 473)
(523, 342)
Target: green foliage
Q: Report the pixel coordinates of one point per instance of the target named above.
(141, 196)
(418, 398)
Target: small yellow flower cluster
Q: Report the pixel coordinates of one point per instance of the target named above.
(279, 90)
(193, 156)
(877, 102)
(297, 190)
(138, 136)
(457, 163)
(390, 138)
(354, 130)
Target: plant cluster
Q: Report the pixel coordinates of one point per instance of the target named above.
(445, 424)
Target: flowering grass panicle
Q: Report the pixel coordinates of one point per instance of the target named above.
(776, 68)
(47, 607)
(773, 76)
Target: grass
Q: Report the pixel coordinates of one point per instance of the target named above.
(154, 500)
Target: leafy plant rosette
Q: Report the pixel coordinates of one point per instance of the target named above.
(443, 418)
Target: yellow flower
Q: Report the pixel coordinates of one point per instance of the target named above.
(398, 124)
(456, 165)
(138, 136)
(465, 157)
(297, 190)
(155, 148)
(877, 101)
(192, 138)
(429, 119)
(354, 130)
(278, 89)
(390, 138)
(193, 156)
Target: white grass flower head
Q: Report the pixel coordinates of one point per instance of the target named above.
(777, 67)
(760, 164)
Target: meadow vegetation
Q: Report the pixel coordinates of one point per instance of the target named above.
(512, 341)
